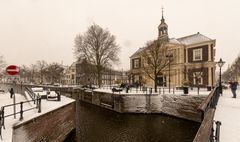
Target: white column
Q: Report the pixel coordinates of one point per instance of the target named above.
(186, 55)
(180, 77)
(209, 76)
(209, 52)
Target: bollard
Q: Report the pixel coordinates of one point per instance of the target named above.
(59, 96)
(127, 88)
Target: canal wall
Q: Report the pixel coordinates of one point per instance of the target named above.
(53, 126)
(181, 106)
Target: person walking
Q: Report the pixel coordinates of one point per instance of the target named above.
(11, 92)
(233, 87)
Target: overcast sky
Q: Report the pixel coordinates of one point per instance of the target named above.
(32, 30)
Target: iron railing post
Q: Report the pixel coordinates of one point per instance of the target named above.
(3, 120)
(1, 124)
(211, 138)
(217, 133)
(39, 105)
(21, 111)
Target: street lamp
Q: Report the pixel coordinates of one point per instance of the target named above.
(169, 56)
(220, 63)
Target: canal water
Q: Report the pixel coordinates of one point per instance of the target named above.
(101, 125)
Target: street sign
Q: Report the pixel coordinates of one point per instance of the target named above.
(12, 70)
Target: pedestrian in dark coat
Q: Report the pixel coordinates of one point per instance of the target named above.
(11, 92)
(233, 87)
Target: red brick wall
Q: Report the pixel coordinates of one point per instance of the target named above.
(52, 127)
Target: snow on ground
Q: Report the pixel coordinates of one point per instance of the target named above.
(228, 113)
(135, 91)
(47, 106)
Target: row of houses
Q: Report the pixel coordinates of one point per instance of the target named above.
(81, 73)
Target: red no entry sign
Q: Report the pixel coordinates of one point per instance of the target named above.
(12, 70)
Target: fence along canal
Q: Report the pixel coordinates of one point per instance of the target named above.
(36, 100)
(207, 108)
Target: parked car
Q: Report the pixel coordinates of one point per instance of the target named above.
(89, 87)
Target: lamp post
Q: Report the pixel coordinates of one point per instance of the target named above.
(169, 56)
(220, 63)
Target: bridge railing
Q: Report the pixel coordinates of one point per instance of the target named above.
(207, 108)
(33, 95)
(21, 111)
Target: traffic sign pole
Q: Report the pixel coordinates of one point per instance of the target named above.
(13, 70)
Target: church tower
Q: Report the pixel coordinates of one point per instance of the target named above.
(163, 30)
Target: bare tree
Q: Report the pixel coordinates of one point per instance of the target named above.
(98, 47)
(41, 65)
(34, 73)
(25, 73)
(155, 59)
(2, 63)
(54, 72)
(85, 72)
(233, 72)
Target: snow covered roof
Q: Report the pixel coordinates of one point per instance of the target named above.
(187, 40)
(193, 39)
(137, 52)
(174, 40)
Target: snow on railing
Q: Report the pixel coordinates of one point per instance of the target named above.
(21, 110)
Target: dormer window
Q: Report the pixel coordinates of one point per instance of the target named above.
(197, 54)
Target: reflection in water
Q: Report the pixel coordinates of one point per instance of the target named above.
(101, 125)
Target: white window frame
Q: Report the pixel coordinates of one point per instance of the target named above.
(200, 79)
(195, 54)
(136, 63)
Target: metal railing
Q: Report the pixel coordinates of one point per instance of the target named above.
(210, 102)
(207, 108)
(21, 111)
(33, 95)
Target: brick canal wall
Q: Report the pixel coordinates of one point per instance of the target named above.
(53, 126)
(181, 106)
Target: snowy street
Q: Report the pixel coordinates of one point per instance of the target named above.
(228, 113)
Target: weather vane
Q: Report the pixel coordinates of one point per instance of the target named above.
(162, 12)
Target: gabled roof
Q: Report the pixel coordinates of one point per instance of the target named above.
(187, 40)
(193, 39)
(137, 52)
(174, 41)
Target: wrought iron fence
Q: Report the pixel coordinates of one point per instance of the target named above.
(21, 111)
